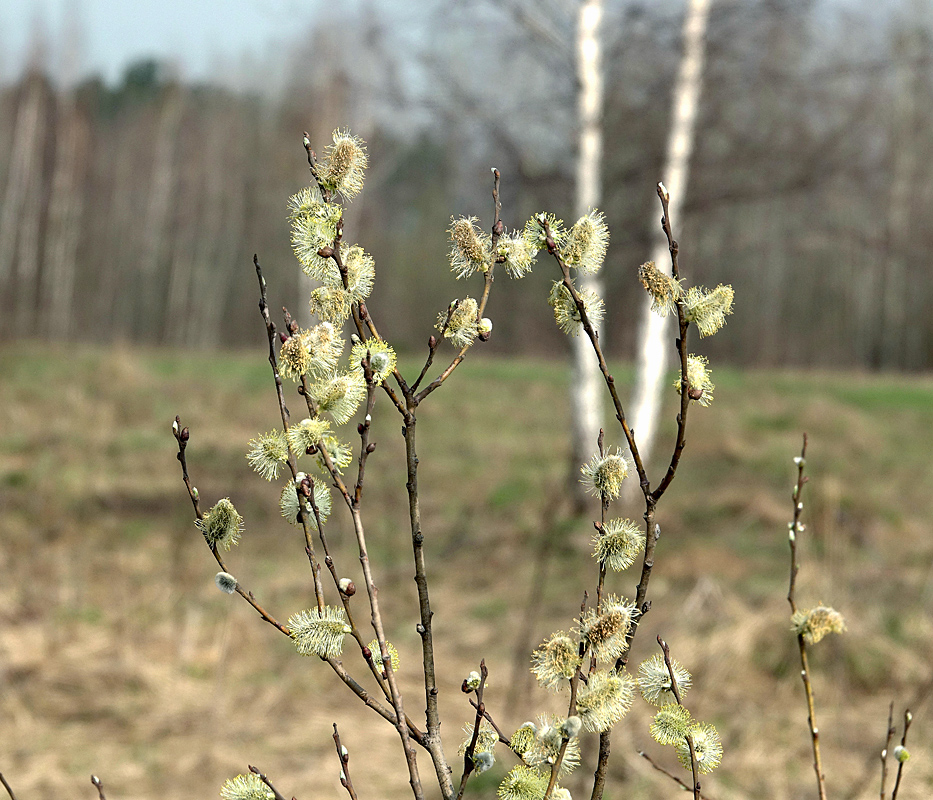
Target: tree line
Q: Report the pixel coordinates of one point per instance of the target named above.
(131, 213)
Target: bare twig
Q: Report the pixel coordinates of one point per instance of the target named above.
(9, 789)
(795, 529)
(652, 530)
(681, 349)
(887, 746)
(366, 447)
(795, 525)
(265, 780)
(669, 774)
(488, 717)
(675, 689)
(603, 367)
(181, 436)
(343, 754)
(497, 230)
(908, 717)
(284, 413)
(468, 763)
(571, 710)
(100, 787)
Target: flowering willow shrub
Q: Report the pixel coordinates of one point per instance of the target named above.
(309, 458)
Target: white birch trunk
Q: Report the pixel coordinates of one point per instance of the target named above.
(655, 338)
(586, 381)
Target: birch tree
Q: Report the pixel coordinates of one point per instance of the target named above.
(655, 330)
(585, 396)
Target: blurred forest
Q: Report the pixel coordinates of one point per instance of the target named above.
(131, 212)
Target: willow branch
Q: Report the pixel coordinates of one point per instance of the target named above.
(681, 350)
(887, 746)
(480, 707)
(284, 413)
(675, 689)
(278, 795)
(99, 786)
(908, 717)
(9, 789)
(669, 774)
(497, 230)
(795, 529)
(344, 756)
(603, 367)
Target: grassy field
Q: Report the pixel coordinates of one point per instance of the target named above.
(118, 655)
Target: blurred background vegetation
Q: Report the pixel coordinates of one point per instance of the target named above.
(118, 655)
(129, 213)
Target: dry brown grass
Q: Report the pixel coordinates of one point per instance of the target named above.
(118, 656)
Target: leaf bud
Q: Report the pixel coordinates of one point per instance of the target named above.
(185, 434)
(225, 582)
(483, 761)
(432, 342)
(570, 727)
(370, 447)
(367, 654)
(326, 251)
(472, 681)
(283, 337)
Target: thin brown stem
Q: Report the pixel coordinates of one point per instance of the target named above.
(908, 717)
(887, 746)
(366, 447)
(99, 786)
(9, 789)
(285, 416)
(571, 707)
(670, 775)
(603, 367)
(675, 690)
(344, 756)
(801, 462)
(681, 343)
(345, 600)
(276, 793)
(795, 529)
(488, 717)
(497, 230)
(181, 436)
(400, 725)
(468, 763)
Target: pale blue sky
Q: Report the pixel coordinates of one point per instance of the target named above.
(192, 33)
